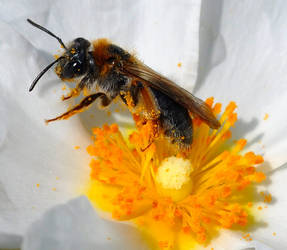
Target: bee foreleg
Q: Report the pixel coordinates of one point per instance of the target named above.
(77, 90)
(74, 92)
(84, 104)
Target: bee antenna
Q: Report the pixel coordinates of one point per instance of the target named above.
(42, 73)
(48, 32)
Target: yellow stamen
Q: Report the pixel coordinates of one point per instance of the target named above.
(172, 192)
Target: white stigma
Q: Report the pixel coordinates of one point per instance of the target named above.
(174, 172)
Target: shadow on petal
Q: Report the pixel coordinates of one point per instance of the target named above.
(75, 225)
(212, 49)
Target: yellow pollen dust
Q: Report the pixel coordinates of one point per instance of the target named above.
(178, 197)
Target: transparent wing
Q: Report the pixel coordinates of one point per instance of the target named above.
(153, 79)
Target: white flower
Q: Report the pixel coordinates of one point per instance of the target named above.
(242, 57)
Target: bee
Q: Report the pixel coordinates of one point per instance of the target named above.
(108, 71)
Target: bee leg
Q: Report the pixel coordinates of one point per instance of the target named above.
(151, 141)
(84, 104)
(76, 91)
(144, 149)
(153, 136)
(134, 90)
(123, 99)
(105, 101)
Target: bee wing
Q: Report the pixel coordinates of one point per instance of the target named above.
(166, 86)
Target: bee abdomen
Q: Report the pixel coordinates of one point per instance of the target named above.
(174, 118)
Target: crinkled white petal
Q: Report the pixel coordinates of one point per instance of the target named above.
(162, 33)
(75, 225)
(31, 152)
(39, 166)
(274, 217)
(243, 58)
(228, 240)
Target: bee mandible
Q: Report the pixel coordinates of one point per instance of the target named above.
(108, 71)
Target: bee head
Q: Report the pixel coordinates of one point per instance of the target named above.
(74, 62)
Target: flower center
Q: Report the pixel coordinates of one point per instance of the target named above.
(173, 178)
(176, 195)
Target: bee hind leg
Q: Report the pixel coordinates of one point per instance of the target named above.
(133, 91)
(84, 104)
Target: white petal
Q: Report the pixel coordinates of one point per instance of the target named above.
(245, 61)
(162, 33)
(74, 226)
(32, 153)
(231, 240)
(274, 216)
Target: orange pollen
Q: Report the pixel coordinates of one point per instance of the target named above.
(220, 173)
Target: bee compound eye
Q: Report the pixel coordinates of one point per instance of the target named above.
(73, 69)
